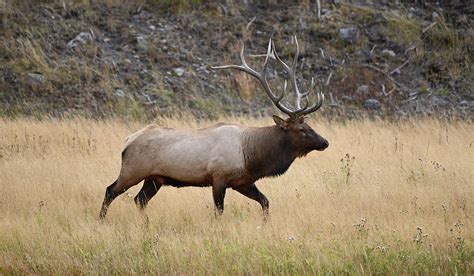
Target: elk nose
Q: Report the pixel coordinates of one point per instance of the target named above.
(325, 144)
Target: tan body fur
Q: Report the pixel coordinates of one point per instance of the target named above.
(196, 157)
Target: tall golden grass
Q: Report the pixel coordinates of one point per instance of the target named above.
(383, 198)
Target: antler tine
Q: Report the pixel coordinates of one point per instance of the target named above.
(305, 94)
(295, 60)
(277, 57)
(292, 72)
(244, 67)
(319, 102)
(272, 53)
(298, 96)
(316, 106)
(301, 110)
(261, 77)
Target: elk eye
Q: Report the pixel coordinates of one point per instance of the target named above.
(302, 131)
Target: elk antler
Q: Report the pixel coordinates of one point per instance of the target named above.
(271, 53)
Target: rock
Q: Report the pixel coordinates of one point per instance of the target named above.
(203, 68)
(375, 34)
(380, 17)
(347, 99)
(363, 90)
(388, 53)
(80, 39)
(119, 93)
(151, 27)
(325, 11)
(142, 43)
(350, 34)
(35, 79)
(439, 101)
(372, 104)
(470, 34)
(465, 103)
(179, 71)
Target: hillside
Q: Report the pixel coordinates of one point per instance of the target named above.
(113, 58)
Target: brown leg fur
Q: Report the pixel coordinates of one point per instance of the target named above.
(251, 191)
(110, 195)
(114, 190)
(218, 193)
(149, 189)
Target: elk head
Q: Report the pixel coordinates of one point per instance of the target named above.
(301, 135)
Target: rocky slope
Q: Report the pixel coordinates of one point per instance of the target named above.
(134, 61)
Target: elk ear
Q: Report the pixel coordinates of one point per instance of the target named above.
(280, 122)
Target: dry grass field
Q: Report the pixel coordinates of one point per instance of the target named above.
(384, 198)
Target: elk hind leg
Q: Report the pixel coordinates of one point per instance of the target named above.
(150, 187)
(114, 190)
(110, 195)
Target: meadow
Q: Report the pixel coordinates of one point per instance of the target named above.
(384, 198)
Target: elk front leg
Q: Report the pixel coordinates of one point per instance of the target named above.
(251, 191)
(218, 193)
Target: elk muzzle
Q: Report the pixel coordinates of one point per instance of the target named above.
(321, 144)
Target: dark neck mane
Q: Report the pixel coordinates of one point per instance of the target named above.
(267, 152)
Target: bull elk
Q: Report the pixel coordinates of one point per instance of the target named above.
(223, 155)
